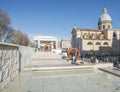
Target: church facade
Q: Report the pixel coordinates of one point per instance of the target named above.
(102, 41)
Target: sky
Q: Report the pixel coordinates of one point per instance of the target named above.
(58, 17)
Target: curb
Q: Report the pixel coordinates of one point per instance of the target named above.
(92, 66)
(61, 68)
(111, 72)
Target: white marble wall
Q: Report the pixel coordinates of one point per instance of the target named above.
(12, 59)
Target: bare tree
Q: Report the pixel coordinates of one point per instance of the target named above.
(32, 44)
(8, 34)
(25, 39)
(18, 37)
(4, 23)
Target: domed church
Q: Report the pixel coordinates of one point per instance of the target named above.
(102, 41)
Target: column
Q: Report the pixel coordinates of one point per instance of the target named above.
(56, 44)
(39, 44)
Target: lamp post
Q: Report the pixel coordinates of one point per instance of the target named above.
(119, 45)
(101, 47)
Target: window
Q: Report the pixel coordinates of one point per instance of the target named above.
(101, 36)
(105, 43)
(93, 36)
(114, 35)
(103, 26)
(109, 26)
(85, 36)
(98, 43)
(89, 43)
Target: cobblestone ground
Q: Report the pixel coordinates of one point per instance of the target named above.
(61, 80)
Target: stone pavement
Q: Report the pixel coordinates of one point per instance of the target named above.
(48, 60)
(42, 59)
(47, 72)
(114, 71)
(90, 80)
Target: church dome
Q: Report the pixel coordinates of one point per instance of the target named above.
(105, 16)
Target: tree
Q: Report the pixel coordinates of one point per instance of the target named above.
(18, 37)
(32, 44)
(4, 24)
(8, 35)
(25, 39)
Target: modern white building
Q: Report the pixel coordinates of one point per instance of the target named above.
(41, 41)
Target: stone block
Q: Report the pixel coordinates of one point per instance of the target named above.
(9, 61)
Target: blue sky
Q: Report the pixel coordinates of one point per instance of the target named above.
(58, 17)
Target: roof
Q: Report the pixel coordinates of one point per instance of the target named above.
(45, 38)
(86, 29)
(105, 16)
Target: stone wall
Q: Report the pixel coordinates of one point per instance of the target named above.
(25, 54)
(12, 59)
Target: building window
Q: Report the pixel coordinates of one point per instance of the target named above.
(85, 36)
(109, 26)
(93, 36)
(98, 43)
(114, 35)
(101, 36)
(89, 43)
(103, 26)
(105, 43)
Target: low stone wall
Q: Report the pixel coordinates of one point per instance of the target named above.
(25, 54)
(12, 59)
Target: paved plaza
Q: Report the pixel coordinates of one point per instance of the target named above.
(57, 75)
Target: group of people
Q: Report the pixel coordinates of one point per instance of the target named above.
(104, 59)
